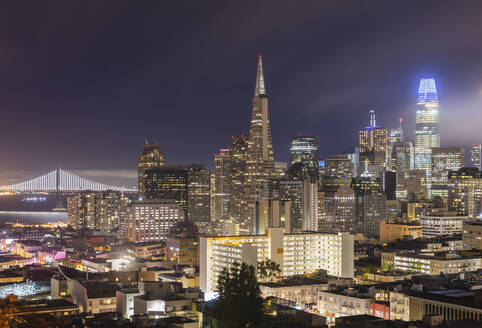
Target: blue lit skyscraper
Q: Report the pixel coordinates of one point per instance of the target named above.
(427, 134)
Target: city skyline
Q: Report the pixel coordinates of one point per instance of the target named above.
(300, 101)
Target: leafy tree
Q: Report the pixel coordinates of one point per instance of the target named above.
(239, 303)
(8, 307)
(268, 270)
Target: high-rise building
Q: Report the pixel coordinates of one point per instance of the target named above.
(168, 183)
(373, 143)
(370, 205)
(260, 158)
(339, 166)
(280, 169)
(336, 205)
(444, 160)
(149, 219)
(465, 192)
(305, 150)
(292, 190)
(427, 133)
(189, 186)
(416, 185)
(239, 150)
(310, 204)
(272, 213)
(476, 156)
(96, 210)
(198, 193)
(150, 157)
(222, 183)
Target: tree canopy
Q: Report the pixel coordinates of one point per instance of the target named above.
(239, 303)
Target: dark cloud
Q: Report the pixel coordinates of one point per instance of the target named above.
(83, 84)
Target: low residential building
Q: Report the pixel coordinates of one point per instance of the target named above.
(441, 225)
(399, 306)
(380, 309)
(93, 296)
(451, 304)
(182, 251)
(125, 301)
(303, 292)
(298, 253)
(390, 232)
(472, 234)
(147, 249)
(340, 303)
(434, 264)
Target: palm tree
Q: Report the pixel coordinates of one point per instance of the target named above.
(268, 270)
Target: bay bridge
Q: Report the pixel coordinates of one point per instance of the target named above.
(61, 180)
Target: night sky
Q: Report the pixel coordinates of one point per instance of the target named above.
(83, 84)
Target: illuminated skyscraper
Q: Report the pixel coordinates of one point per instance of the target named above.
(150, 157)
(373, 143)
(445, 160)
(239, 150)
(222, 183)
(427, 134)
(476, 156)
(305, 150)
(260, 158)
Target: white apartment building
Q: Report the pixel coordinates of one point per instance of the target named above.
(298, 253)
(149, 220)
(333, 304)
(433, 226)
(435, 264)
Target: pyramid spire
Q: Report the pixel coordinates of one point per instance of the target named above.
(260, 89)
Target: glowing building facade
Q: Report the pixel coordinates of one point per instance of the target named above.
(260, 158)
(305, 150)
(444, 160)
(150, 157)
(373, 144)
(299, 253)
(476, 156)
(427, 134)
(222, 183)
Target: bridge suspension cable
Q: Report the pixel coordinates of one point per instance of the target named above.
(62, 180)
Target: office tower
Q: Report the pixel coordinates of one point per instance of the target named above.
(198, 193)
(292, 190)
(416, 185)
(305, 150)
(189, 186)
(295, 253)
(465, 192)
(370, 205)
(339, 166)
(427, 134)
(444, 160)
(150, 157)
(239, 149)
(222, 183)
(149, 219)
(336, 205)
(96, 210)
(168, 183)
(401, 160)
(260, 158)
(280, 169)
(373, 143)
(310, 204)
(476, 156)
(272, 213)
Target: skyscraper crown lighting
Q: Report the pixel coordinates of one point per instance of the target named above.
(427, 92)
